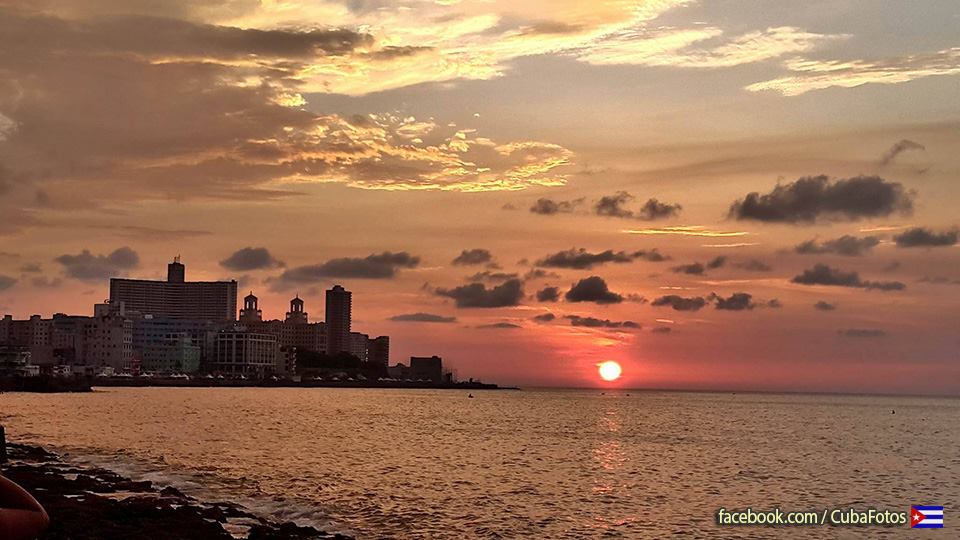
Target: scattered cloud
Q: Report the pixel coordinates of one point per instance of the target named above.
(592, 322)
(582, 259)
(680, 303)
(661, 330)
(939, 280)
(755, 265)
(31, 268)
(477, 295)
(592, 289)
(89, 267)
(822, 274)
(422, 317)
(549, 207)
(250, 258)
(43, 282)
(6, 282)
(499, 326)
(898, 148)
(814, 197)
(548, 294)
(923, 237)
(473, 256)
(850, 246)
(736, 302)
(615, 206)
(824, 306)
(539, 273)
(494, 277)
(377, 266)
(544, 317)
(699, 269)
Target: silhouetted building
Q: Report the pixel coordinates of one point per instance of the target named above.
(176, 298)
(251, 311)
(104, 340)
(428, 368)
(379, 350)
(338, 320)
(296, 315)
(359, 346)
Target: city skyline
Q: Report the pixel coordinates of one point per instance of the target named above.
(713, 196)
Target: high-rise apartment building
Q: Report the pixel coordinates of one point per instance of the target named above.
(338, 320)
(176, 298)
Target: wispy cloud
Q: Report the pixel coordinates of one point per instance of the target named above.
(810, 75)
(692, 230)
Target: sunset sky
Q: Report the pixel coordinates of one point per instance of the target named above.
(715, 194)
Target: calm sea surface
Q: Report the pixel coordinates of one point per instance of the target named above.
(515, 464)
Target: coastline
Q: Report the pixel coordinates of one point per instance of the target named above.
(87, 502)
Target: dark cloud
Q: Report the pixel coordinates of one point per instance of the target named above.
(736, 302)
(6, 282)
(822, 274)
(548, 207)
(31, 268)
(824, 306)
(662, 330)
(815, 197)
(776, 304)
(755, 265)
(923, 237)
(692, 268)
(614, 206)
(500, 326)
(582, 259)
(89, 267)
(592, 322)
(422, 317)
(653, 255)
(592, 289)
(494, 277)
(681, 303)
(476, 295)
(851, 246)
(539, 273)
(899, 148)
(473, 256)
(698, 269)
(716, 262)
(393, 52)
(548, 294)
(377, 266)
(544, 317)
(654, 209)
(250, 258)
(862, 333)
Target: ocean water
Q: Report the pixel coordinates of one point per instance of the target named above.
(516, 464)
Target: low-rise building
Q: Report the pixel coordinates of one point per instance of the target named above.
(177, 353)
(427, 368)
(241, 352)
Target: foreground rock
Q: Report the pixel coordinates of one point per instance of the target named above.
(96, 504)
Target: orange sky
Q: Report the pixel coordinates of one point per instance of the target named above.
(795, 169)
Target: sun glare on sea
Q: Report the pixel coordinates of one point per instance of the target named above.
(609, 370)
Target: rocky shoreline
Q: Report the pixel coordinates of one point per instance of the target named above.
(87, 503)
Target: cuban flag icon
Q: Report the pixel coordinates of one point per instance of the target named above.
(926, 517)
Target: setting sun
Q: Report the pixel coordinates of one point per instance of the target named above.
(609, 370)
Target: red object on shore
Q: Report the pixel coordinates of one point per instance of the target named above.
(21, 516)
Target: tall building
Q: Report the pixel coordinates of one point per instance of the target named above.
(338, 320)
(176, 298)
